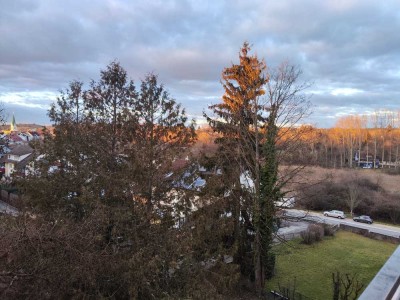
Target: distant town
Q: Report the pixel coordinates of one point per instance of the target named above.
(15, 151)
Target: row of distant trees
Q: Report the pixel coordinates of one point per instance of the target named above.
(354, 139)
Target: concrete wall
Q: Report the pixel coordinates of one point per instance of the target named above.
(369, 234)
(386, 284)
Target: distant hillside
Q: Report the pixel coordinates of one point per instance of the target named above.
(22, 127)
(205, 142)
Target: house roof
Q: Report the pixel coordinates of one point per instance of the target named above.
(15, 138)
(21, 150)
(18, 164)
(5, 159)
(34, 133)
(179, 164)
(21, 164)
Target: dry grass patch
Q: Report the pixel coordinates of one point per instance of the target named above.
(389, 183)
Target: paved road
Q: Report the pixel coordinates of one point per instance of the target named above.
(318, 217)
(8, 209)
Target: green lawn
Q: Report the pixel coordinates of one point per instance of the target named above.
(312, 266)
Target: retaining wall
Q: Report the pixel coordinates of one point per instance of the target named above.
(370, 234)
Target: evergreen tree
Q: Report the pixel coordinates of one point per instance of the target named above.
(62, 170)
(109, 104)
(238, 120)
(102, 194)
(160, 139)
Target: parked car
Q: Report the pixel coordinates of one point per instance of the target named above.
(363, 219)
(335, 214)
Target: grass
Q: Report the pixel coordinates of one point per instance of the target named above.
(312, 266)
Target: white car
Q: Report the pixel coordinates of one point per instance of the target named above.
(335, 214)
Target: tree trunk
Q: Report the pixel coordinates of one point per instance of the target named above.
(383, 150)
(375, 153)
(390, 150)
(351, 153)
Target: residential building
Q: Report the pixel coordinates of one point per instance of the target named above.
(17, 159)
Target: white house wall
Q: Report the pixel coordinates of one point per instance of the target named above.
(9, 168)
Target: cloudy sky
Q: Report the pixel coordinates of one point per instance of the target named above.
(349, 49)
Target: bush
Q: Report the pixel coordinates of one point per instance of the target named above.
(366, 183)
(325, 195)
(372, 200)
(391, 171)
(314, 233)
(387, 208)
(135, 259)
(329, 230)
(308, 237)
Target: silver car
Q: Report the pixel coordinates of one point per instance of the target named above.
(335, 214)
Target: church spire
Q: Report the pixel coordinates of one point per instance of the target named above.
(13, 125)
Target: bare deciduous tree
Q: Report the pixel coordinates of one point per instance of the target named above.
(353, 193)
(346, 287)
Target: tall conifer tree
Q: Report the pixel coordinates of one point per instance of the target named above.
(238, 120)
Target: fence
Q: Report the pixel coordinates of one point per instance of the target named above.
(10, 198)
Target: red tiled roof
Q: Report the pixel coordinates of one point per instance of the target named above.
(15, 138)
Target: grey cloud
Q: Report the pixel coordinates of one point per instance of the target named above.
(338, 44)
(26, 115)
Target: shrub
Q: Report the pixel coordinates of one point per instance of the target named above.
(387, 208)
(391, 171)
(314, 233)
(308, 237)
(329, 230)
(41, 259)
(325, 195)
(368, 184)
(371, 200)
